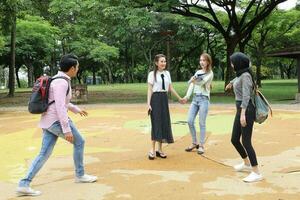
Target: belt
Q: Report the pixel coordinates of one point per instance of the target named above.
(160, 91)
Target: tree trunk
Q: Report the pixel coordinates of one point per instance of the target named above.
(53, 64)
(243, 43)
(288, 73)
(298, 70)
(79, 76)
(169, 59)
(133, 65)
(109, 72)
(11, 80)
(94, 76)
(290, 69)
(258, 69)
(281, 71)
(223, 73)
(127, 66)
(63, 47)
(17, 77)
(30, 75)
(150, 60)
(229, 70)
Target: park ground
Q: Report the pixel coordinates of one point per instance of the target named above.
(118, 139)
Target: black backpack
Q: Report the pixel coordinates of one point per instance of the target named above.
(38, 102)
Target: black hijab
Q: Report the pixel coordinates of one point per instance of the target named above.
(241, 63)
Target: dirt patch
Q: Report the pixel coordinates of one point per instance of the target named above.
(117, 141)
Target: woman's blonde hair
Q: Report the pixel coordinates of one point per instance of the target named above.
(207, 57)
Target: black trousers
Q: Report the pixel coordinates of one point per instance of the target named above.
(245, 148)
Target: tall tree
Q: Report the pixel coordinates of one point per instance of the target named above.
(276, 31)
(36, 42)
(10, 10)
(241, 18)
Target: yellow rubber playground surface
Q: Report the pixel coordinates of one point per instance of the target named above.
(118, 139)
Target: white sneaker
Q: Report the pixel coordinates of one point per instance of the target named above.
(253, 177)
(27, 191)
(86, 179)
(200, 150)
(242, 167)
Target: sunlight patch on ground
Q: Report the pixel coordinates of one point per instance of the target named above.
(103, 126)
(88, 133)
(124, 196)
(16, 118)
(228, 186)
(165, 175)
(103, 113)
(179, 127)
(143, 125)
(23, 145)
(61, 189)
(216, 124)
(219, 124)
(285, 116)
(95, 191)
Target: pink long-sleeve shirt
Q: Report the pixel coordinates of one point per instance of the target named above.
(58, 111)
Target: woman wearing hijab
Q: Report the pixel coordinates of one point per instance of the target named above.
(245, 115)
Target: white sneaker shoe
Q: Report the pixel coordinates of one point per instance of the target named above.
(27, 191)
(242, 167)
(200, 150)
(253, 177)
(86, 179)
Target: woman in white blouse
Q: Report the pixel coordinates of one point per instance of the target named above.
(159, 83)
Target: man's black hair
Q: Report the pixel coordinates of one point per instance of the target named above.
(68, 61)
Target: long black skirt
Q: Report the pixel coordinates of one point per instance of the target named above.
(160, 118)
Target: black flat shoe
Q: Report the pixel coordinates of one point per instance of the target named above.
(151, 156)
(191, 148)
(161, 154)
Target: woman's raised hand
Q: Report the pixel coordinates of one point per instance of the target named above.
(228, 87)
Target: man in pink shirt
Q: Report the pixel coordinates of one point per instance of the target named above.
(56, 123)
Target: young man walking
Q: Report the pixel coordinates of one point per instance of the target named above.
(56, 123)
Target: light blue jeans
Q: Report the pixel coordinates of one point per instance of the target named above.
(50, 136)
(199, 104)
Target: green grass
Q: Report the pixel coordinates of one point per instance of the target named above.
(280, 91)
(276, 91)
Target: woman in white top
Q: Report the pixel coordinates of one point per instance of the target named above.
(200, 85)
(159, 83)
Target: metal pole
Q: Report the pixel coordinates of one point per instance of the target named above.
(168, 54)
(298, 70)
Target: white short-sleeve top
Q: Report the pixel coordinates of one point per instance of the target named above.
(157, 84)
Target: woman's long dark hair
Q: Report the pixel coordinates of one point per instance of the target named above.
(156, 59)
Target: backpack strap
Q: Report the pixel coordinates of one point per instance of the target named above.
(61, 77)
(257, 92)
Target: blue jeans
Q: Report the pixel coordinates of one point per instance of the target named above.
(199, 104)
(50, 136)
